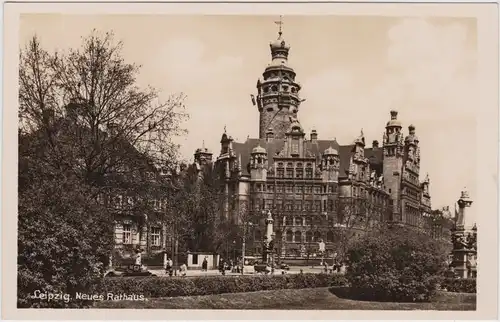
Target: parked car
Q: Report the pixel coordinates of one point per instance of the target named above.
(284, 266)
(261, 267)
(136, 270)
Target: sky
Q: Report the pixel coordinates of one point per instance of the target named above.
(353, 71)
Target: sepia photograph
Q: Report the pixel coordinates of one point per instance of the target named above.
(251, 162)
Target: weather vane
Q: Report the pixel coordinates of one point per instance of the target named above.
(280, 24)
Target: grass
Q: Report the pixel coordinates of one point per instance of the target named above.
(303, 299)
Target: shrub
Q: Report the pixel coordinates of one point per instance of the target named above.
(154, 287)
(400, 264)
(63, 242)
(466, 285)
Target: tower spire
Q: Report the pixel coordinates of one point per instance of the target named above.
(280, 28)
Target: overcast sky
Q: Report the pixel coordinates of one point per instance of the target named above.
(353, 69)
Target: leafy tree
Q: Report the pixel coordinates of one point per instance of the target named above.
(399, 264)
(87, 132)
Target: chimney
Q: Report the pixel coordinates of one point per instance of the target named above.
(269, 134)
(375, 144)
(314, 136)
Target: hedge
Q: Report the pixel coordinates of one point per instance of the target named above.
(461, 285)
(155, 287)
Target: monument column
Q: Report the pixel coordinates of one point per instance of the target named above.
(269, 239)
(459, 237)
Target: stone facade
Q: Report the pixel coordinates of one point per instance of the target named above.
(315, 188)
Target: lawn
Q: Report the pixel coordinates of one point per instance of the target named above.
(301, 299)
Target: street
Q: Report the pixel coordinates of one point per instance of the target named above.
(214, 272)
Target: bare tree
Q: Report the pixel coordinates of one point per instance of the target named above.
(96, 88)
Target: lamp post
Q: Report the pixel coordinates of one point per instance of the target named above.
(234, 251)
(243, 245)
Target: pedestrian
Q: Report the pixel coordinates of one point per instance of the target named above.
(183, 270)
(204, 265)
(222, 265)
(169, 267)
(326, 267)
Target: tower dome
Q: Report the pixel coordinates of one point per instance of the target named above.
(394, 122)
(330, 151)
(259, 150)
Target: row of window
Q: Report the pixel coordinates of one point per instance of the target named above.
(297, 205)
(297, 188)
(120, 201)
(154, 235)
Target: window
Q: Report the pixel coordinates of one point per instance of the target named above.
(317, 236)
(297, 205)
(324, 205)
(278, 205)
(308, 189)
(298, 237)
(299, 189)
(127, 234)
(297, 221)
(299, 173)
(308, 221)
(330, 205)
(289, 236)
(307, 205)
(317, 205)
(288, 205)
(280, 172)
(309, 173)
(155, 236)
(330, 189)
(289, 173)
(195, 259)
(329, 237)
(258, 235)
(279, 188)
(309, 236)
(317, 189)
(289, 188)
(270, 188)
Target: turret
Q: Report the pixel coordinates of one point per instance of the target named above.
(203, 156)
(393, 161)
(463, 203)
(330, 163)
(258, 164)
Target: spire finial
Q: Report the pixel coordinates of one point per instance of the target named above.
(224, 128)
(203, 144)
(280, 24)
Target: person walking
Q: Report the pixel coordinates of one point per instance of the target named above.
(169, 267)
(183, 270)
(222, 268)
(204, 265)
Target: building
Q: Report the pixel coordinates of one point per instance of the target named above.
(315, 188)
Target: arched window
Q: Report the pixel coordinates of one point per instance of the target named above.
(309, 236)
(308, 221)
(289, 236)
(258, 235)
(317, 236)
(329, 236)
(298, 237)
(278, 236)
(297, 221)
(289, 221)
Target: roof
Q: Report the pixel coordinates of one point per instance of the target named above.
(313, 148)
